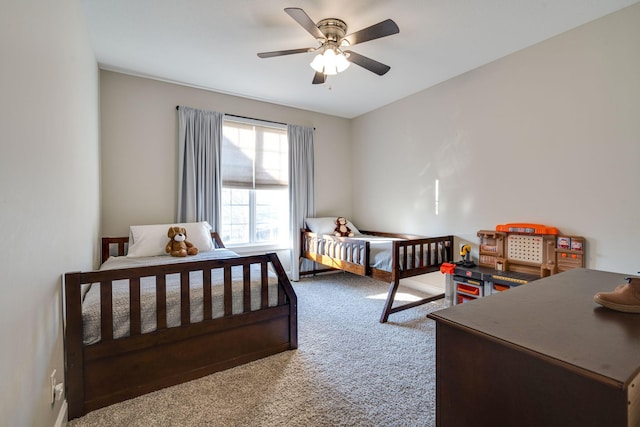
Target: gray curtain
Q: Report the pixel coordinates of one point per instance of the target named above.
(199, 185)
(301, 188)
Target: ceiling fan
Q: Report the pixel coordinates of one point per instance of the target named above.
(330, 33)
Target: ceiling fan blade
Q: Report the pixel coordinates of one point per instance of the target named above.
(319, 78)
(283, 52)
(372, 65)
(381, 29)
(303, 19)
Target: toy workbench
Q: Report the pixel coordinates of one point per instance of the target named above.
(515, 254)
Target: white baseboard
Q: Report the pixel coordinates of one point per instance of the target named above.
(61, 421)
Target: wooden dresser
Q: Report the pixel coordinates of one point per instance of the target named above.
(543, 354)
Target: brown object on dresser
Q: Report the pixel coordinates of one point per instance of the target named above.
(543, 354)
(116, 369)
(411, 256)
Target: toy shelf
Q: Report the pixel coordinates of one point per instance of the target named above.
(570, 252)
(491, 247)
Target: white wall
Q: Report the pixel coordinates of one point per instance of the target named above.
(49, 193)
(548, 135)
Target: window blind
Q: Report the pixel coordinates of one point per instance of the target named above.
(254, 157)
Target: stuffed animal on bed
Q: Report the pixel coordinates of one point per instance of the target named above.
(178, 244)
(342, 230)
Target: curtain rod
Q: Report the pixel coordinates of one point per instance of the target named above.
(250, 118)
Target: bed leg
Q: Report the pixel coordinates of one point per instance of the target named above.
(393, 287)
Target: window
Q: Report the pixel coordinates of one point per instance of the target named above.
(255, 184)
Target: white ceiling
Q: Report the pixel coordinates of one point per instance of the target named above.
(212, 44)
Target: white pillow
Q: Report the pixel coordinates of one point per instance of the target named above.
(326, 225)
(151, 240)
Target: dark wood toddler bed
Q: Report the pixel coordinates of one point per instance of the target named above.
(387, 257)
(118, 368)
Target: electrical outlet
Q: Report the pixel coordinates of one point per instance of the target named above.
(59, 390)
(52, 394)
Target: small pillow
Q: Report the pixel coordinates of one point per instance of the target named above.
(151, 240)
(326, 225)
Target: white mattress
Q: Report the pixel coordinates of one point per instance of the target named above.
(121, 328)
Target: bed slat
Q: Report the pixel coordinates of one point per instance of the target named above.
(161, 301)
(246, 286)
(134, 306)
(228, 309)
(106, 311)
(185, 300)
(207, 307)
(429, 248)
(403, 257)
(264, 285)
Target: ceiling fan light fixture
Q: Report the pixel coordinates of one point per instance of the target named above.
(318, 63)
(329, 57)
(330, 62)
(330, 70)
(341, 62)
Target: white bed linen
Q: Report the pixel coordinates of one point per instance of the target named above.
(121, 328)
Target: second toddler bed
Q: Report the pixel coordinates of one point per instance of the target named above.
(383, 256)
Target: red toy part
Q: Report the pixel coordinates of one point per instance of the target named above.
(447, 268)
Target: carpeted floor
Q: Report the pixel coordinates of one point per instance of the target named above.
(349, 370)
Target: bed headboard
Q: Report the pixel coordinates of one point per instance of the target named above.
(119, 245)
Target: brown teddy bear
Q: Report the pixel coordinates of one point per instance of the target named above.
(342, 230)
(178, 244)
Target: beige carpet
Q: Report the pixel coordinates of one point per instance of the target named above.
(349, 370)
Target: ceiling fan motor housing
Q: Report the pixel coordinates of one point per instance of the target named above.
(334, 30)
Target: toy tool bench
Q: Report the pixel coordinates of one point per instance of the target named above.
(513, 255)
